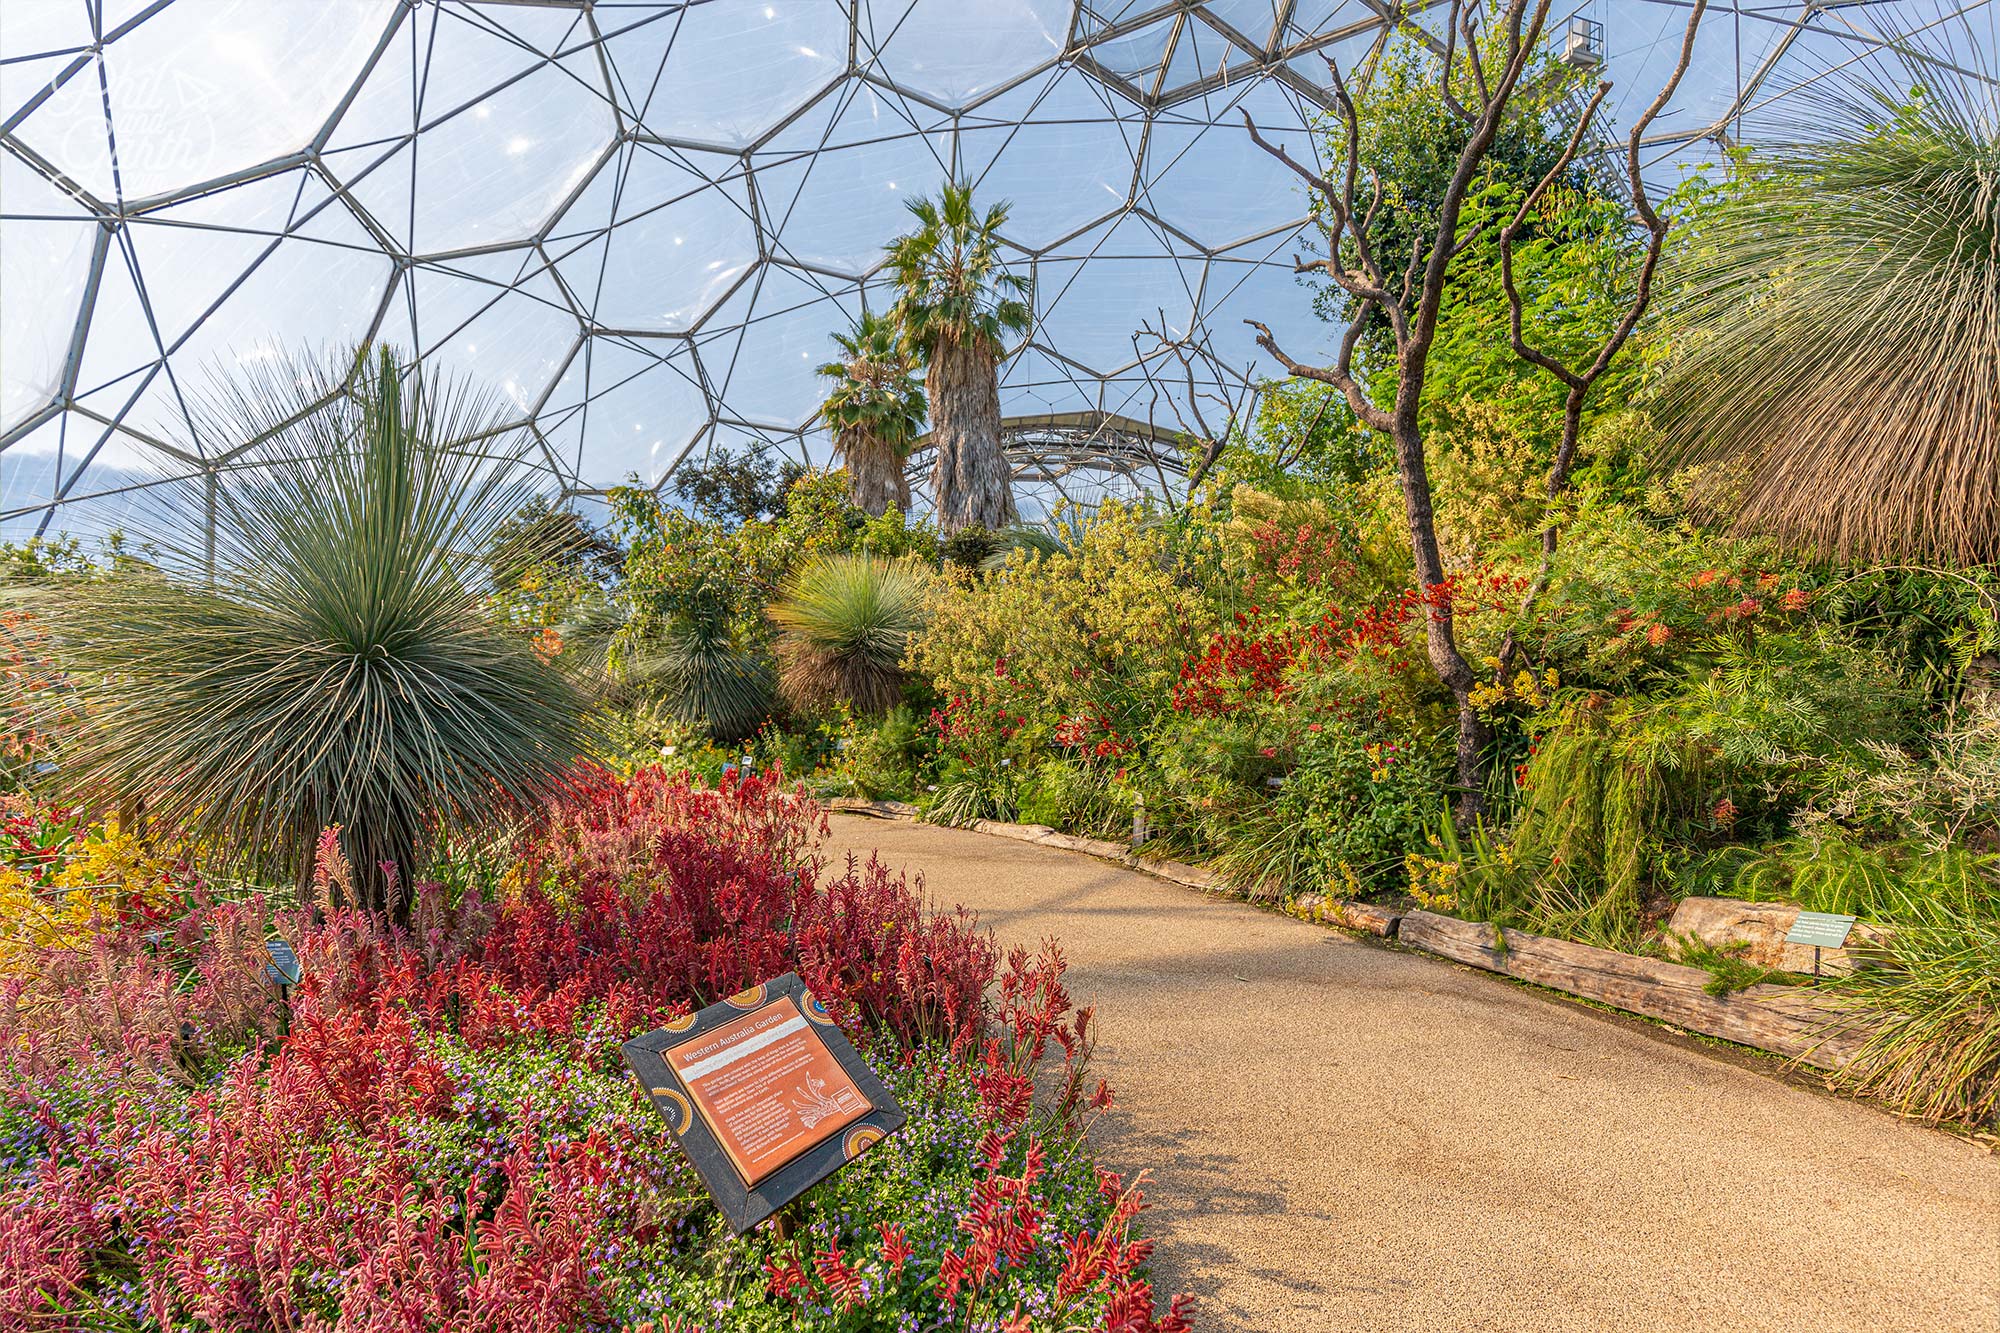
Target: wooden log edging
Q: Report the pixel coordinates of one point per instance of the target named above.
(1368, 918)
(1785, 1020)
(861, 805)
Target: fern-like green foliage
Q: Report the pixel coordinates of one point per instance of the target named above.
(1527, 888)
(1747, 727)
(323, 654)
(1591, 818)
(845, 623)
(954, 283)
(1871, 881)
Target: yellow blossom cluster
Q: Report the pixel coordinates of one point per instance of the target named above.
(1535, 691)
(1433, 881)
(99, 871)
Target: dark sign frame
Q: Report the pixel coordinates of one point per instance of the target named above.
(745, 1205)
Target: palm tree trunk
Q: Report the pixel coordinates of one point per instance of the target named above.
(875, 477)
(970, 479)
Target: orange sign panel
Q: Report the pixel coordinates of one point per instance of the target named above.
(767, 1087)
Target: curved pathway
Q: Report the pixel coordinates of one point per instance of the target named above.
(1346, 1136)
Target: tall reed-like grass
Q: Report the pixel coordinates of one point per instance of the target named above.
(1932, 1005)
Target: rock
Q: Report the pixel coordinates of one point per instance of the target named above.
(1724, 922)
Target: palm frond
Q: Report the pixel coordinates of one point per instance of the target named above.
(875, 399)
(955, 286)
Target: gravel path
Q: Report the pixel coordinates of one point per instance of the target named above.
(1344, 1136)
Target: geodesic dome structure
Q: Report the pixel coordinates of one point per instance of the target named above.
(639, 220)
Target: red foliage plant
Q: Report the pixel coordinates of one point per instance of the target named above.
(1251, 662)
(288, 1187)
(653, 895)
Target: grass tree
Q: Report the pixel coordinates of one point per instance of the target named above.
(1837, 337)
(875, 410)
(311, 646)
(956, 308)
(845, 622)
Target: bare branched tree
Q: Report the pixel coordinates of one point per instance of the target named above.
(1194, 392)
(1483, 69)
(1409, 295)
(1580, 379)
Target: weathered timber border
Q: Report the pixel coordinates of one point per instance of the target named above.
(1785, 1020)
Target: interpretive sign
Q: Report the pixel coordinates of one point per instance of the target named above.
(765, 1095)
(283, 969)
(1820, 930)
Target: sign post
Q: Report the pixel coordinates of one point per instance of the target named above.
(1822, 930)
(765, 1094)
(284, 972)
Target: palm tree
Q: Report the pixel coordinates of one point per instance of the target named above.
(1837, 331)
(956, 307)
(845, 622)
(875, 410)
(313, 646)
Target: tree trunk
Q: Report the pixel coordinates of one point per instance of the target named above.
(970, 479)
(1440, 637)
(875, 477)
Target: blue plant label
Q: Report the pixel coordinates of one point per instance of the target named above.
(1821, 930)
(283, 969)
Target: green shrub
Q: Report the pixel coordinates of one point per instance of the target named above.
(1089, 638)
(1076, 796)
(965, 793)
(883, 760)
(1347, 813)
(1479, 877)
(1619, 794)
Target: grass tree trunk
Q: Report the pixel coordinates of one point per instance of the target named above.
(970, 478)
(875, 477)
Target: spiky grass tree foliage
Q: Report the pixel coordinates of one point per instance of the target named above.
(1838, 330)
(703, 672)
(845, 622)
(321, 656)
(956, 307)
(875, 410)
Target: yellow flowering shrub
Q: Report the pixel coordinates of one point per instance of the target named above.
(62, 880)
(1082, 645)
